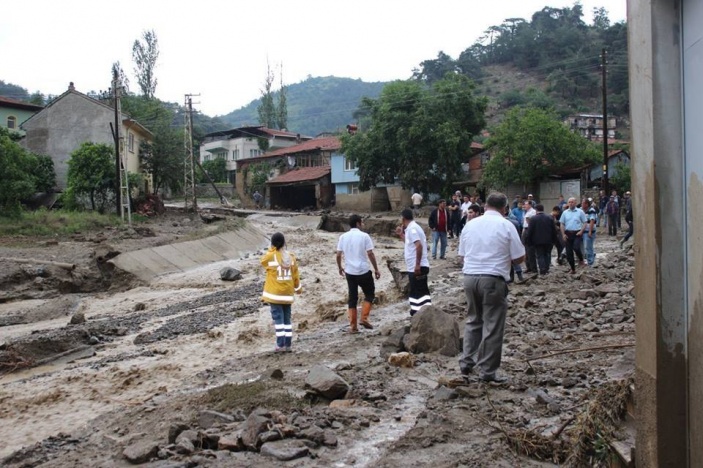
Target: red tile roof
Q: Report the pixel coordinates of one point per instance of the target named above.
(301, 174)
(9, 102)
(322, 144)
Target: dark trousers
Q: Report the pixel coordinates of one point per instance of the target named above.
(530, 258)
(367, 285)
(456, 226)
(573, 244)
(485, 323)
(559, 244)
(419, 291)
(543, 252)
(630, 231)
(612, 224)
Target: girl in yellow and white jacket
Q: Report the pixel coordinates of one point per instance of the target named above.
(282, 283)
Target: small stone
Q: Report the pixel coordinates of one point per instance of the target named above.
(288, 449)
(78, 318)
(342, 403)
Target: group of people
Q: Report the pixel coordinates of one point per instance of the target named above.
(494, 240)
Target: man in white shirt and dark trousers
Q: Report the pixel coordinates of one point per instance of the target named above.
(494, 245)
(415, 261)
(357, 246)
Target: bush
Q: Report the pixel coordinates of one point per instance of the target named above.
(21, 173)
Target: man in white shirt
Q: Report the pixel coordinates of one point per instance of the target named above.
(416, 261)
(494, 244)
(417, 201)
(357, 248)
(531, 257)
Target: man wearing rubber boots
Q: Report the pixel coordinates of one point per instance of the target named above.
(356, 247)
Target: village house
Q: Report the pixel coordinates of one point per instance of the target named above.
(296, 177)
(243, 143)
(14, 112)
(74, 118)
(590, 126)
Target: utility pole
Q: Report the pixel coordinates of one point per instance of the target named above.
(116, 134)
(122, 178)
(189, 161)
(604, 63)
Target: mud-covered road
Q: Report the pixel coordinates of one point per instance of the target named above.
(180, 371)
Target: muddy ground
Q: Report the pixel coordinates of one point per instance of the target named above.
(144, 362)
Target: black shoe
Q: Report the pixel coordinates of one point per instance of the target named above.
(493, 378)
(466, 371)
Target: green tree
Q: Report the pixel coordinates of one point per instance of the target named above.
(418, 136)
(145, 54)
(91, 175)
(267, 108)
(529, 145)
(621, 180)
(282, 106)
(163, 157)
(216, 169)
(21, 173)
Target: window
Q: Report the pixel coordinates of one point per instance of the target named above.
(254, 153)
(130, 142)
(235, 154)
(354, 189)
(349, 165)
(222, 155)
(12, 122)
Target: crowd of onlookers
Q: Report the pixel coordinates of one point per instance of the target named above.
(570, 227)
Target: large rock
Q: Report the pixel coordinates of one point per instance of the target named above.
(325, 382)
(432, 330)
(257, 423)
(394, 342)
(230, 274)
(288, 449)
(209, 418)
(141, 452)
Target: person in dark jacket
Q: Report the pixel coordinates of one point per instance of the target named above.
(439, 224)
(541, 234)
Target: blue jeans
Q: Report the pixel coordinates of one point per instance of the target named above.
(280, 313)
(588, 241)
(442, 237)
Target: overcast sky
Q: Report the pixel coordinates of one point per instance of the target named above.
(219, 48)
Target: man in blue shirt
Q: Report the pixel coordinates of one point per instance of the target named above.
(572, 223)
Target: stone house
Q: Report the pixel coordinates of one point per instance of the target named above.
(74, 118)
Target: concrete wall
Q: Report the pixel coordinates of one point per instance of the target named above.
(361, 202)
(207, 191)
(666, 108)
(692, 45)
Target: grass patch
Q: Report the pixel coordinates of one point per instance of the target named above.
(45, 223)
(251, 395)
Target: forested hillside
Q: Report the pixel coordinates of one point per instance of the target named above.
(551, 60)
(321, 104)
